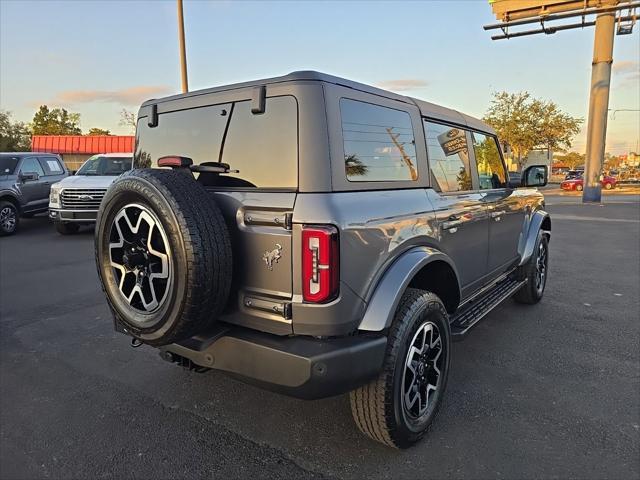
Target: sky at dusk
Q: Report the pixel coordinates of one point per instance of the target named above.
(98, 57)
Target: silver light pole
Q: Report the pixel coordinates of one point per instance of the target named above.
(183, 51)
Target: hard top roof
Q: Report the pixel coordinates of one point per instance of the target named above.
(27, 154)
(427, 109)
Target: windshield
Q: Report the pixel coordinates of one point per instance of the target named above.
(8, 164)
(100, 165)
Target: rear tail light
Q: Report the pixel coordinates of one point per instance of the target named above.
(320, 263)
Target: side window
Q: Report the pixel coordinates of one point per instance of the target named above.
(30, 165)
(379, 145)
(195, 133)
(491, 171)
(263, 147)
(51, 166)
(448, 154)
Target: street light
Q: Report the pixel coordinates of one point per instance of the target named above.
(183, 52)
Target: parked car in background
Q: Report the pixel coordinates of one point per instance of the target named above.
(25, 181)
(572, 174)
(607, 183)
(75, 200)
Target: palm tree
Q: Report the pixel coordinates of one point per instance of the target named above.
(354, 166)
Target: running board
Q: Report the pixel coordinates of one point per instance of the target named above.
(476, 309)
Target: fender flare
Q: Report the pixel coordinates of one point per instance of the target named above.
(528, 241)
(11, 194)
(384, 301)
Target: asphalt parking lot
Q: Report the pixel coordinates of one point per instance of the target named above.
(546, 391)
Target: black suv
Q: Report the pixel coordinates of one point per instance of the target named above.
(25, 181)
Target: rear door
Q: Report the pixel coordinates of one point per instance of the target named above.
(256, 197)
(459, 207)
(53, 171)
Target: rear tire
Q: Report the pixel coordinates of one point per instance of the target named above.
(536, 272)
(608, 186)
(163, 255)
(67, 228)
(9, 218)
(390, 409)
(579, 188)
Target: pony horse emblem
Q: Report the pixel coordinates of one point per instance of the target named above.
(273, 256)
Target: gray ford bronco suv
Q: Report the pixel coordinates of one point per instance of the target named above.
(316, 236)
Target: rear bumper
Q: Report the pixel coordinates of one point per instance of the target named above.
(302, 367)
(84, 216)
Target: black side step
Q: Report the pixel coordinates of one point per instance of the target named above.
(475, 310)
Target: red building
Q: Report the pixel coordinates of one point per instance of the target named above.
(75, 149)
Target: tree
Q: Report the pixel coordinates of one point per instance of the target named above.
(556, 129)
(354, 166)
(128, 119)
(571, 159)
(525, 123)
(98, 131)
(14, 136)
(55, 122)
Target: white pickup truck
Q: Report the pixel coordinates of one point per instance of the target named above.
(75, 200)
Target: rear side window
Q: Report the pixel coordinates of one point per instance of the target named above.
(263, 148)
(448, 157)
(491, 171)
(51, 166)
(30, 165)
(379, 145)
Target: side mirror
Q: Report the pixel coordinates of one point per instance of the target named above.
(29, 176)
(535, 176)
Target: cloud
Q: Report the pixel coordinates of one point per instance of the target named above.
(126, 96)
(626, 74)
(403, 84)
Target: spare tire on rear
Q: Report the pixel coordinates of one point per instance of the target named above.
(163, 255)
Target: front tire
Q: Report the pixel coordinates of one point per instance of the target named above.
(399, 406)
(9, 218)
(67, 228)
(536, 272)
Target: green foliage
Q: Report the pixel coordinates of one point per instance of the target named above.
(14, 136)
(98, 131)
(354, 166)
(525, 122)
(55, 122)
(571, 159)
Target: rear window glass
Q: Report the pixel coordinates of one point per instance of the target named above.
(261, 149)
(379, 145)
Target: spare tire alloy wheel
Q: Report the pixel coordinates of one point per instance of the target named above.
(140, 255)
(163, 254)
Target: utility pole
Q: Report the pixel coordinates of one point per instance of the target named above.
(183, 50)
(598, 106)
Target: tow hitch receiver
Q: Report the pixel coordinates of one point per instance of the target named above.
(182, 361)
